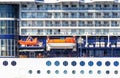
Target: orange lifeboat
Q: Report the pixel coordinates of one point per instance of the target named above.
(29, 42)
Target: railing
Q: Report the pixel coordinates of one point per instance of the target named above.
(73, 8)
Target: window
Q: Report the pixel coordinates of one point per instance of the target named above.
(82, 63)
(116, 63)
(65, 63)
(57, 63)
(107, 63)
(73, 63)
(90, 63)
(99, 63)
(48, 63)
(13, 63)
(5, 63)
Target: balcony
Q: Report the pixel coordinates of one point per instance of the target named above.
(114, 25)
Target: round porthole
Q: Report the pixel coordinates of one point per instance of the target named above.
(73, 63)
(82, 63)
(90, 72)
(115, 72)
(57, 63)
(90, 63)
(99, 63)
(38, 71)
(5, 63)
(65, 63)
(116, 63)
(98, 72)
(107, 63)
(65, 71)
(56, 71)
(73, 72)
(48, 63)
(82, 71)
(30, 71)
(107, 72)
(13, 63)
(48, 71)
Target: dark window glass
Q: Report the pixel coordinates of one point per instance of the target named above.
(115, 72)
(30, 71)
(90, 63)
(116, 63)
(73, 63)
(82, 71)
(99, 63)
(73, 72)
(13, 63)
(99, 72)
(57, 63)
(5, 63)
(48, 63)
(107, 72)
(107, 63)
(56, 71)
(65, 63)
(48, 71)
(65, 71)
(38, 71)
(82, 63)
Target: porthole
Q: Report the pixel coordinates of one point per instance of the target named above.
(65, 63)
(116, 63)
(13, 63)
(73, 63)
(65, 71)
(107, 72)
(48, 71)
(30, 71)
(98, 72)
(107, 63)
(48, 63)
(99, 63)
(56, 71)
(73, 72)
(90, 63)
(57, 63)
(115, 72)
(38, 71)
(5, 63)
(82, 71)
(90, 72)
(82, 63)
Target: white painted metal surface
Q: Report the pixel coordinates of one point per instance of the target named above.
(23, 66)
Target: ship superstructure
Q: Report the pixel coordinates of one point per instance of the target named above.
(80, 37)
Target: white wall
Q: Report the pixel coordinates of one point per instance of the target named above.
(24, 65)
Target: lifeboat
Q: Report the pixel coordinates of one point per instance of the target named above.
(66, 40)
(66, 43)
(29, 42)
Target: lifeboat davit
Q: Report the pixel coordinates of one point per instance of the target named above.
(29, 42)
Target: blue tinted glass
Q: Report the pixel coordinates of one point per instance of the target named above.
(5, 63)
(57, 63)
(82, 71)
(73, 63)
(116, 63)
(99, 63)
(73, 72)
(48, 72)
(107, 72)
(30, 71)
(90, 63)
(48, 63)
(13, 63)
(107, 63)
(38, 71)
(65, 71)
(115, 72)
(82, 63)
(65, 63)
(57, 72)
(90, 72)
(99, 72)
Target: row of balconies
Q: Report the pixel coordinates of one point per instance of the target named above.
(73, 8)
(48, 24)
(69, 16)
